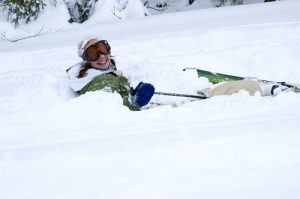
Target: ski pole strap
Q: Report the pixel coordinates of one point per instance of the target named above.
(181, 95)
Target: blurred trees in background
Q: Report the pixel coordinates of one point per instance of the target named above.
(219, 3)
(80, 10)
(25, 11)
(21, 10)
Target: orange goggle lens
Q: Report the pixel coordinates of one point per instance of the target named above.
(93, 52)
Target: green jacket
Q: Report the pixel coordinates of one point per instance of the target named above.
(114, 83)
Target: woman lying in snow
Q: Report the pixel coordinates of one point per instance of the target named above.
(98, 71)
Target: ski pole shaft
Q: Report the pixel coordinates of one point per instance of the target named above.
(181, 95)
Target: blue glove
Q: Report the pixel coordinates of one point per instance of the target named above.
(142, 94)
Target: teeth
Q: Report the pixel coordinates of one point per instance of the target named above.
(102, 62)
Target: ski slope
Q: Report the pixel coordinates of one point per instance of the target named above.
(54, 145)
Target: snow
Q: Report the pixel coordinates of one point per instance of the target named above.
(54, 144)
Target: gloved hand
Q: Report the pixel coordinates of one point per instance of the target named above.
(142, 93)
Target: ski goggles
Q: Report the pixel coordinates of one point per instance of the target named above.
(93, 52)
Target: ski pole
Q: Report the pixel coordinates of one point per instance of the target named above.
(181, 95)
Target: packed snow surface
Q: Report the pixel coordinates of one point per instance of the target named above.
(54, 144)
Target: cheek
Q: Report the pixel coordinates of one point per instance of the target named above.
(93, 64)
(107, 57)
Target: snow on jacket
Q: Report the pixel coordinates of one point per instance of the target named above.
(78, 83)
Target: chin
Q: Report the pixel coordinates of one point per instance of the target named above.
(103, 67)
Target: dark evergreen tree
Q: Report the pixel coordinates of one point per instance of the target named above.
(21, 10)
(236, 2)
(80, 10)
(219, 3)
(191, 2)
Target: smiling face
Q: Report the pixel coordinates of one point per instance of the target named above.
(102, 62)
